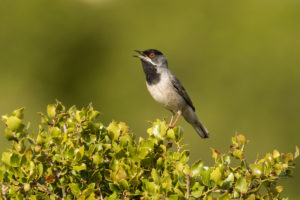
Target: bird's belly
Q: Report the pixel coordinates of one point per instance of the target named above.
(166, 95)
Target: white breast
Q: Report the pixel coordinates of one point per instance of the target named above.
(165, 94)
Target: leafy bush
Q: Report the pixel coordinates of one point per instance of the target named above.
(74, 156)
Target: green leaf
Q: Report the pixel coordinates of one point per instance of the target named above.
(56, 132)
(40, 169)
(173, 197)
(114, 130)
(51, 110)
(18, 113)
(14, 124)
(205, 176)
(228, 181)
(121, 174)
(238, 154)
(97, 159)
(124, 184)
(151, 187)
(75, 189)
(155, 176)
(225, 196)
(216, 176)
(79, 153)
(197, 190)
(214, 154)
(6, 157)
(241, 185)
(15, 160)
(257, 169)
(80, 167)
(1, 175)
(9, 134)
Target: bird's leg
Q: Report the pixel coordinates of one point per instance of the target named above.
(178, 116)
(171, 120)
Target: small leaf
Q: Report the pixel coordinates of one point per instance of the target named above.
(279, 188)
(155, 176)
(173, 197)
(257, 169)
(75, 189)
(225, 196)
(15, 160)
(197, 190)
(241, 185)
(56, 132)
(251, 197)
(228, 181)
(79, 153)
(241, 138)
(9, 134)
(80, 167)
(15, 124)
(6, 157)
(238, 154)
(121, 174)
(296, 152)
(276, 154)
(214, 154)
(18, 113)
(216, 176)
(51, 110)
(97, 159)
(151, 187)
(205, 176)
(114, 130)
(124, 184)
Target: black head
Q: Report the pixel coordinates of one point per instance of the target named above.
(152, 57)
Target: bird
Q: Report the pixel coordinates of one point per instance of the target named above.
(166, 89)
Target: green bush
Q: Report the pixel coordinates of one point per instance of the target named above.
(74, 156)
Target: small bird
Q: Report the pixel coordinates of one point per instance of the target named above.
(167, 90)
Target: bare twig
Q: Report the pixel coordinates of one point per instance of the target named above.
(188, 185)
(63, 189)
(45, 189)
(98, 186)
(4, 191)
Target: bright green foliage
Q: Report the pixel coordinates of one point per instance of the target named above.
(74, 156)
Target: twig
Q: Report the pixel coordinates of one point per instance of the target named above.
(63, 189)
(45, 189)
(188, 185)
(98, 186)
(4, 190)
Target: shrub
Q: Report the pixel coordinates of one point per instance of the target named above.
(74, 156)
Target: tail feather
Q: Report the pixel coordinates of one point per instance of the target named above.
(191, 117)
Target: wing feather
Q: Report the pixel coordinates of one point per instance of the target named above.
(180, 89)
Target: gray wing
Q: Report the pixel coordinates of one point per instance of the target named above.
(180, 89)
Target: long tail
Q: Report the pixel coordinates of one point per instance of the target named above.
(191, 117)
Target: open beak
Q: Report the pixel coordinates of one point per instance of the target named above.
(144, 57)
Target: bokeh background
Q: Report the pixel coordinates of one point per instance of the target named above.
(238, 60)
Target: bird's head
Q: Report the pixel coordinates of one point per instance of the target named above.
(153, 58)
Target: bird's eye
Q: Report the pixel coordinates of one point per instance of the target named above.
(152, 55)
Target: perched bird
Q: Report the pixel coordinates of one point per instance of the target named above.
(167, 90)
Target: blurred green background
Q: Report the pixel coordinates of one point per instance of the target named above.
(238, 60)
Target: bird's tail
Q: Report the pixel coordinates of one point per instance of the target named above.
(191, 117)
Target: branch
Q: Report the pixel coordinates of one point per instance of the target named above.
(45, 189)
(188, 185)
(101, 196)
